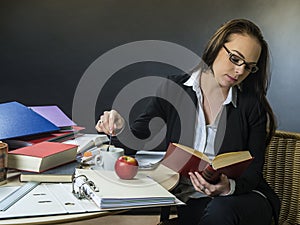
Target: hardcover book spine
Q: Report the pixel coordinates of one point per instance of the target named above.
(211, 175)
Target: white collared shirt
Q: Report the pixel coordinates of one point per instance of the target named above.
(204, 137)
(205, 134)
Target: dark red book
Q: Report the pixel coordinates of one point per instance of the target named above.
(183, 159)
(59, 136)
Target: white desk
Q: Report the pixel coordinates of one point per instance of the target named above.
(163, 175)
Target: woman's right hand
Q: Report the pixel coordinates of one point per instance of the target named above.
(110, 122)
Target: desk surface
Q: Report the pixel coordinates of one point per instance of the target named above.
(163, 175)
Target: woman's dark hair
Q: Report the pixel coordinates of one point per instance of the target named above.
(257, 82)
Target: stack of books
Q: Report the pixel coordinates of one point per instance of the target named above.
(21, 126)
(42, 156)
(34, 135)
(44, 143)
(17, 120)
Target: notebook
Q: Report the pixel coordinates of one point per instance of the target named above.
(17, 120)
(110, 192)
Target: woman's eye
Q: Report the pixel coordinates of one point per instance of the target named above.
(235, 59)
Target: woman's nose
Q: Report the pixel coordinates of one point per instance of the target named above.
(239, 69)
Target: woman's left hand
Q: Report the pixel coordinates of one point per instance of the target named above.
(201, 185)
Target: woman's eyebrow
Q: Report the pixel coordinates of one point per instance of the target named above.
(241, 55)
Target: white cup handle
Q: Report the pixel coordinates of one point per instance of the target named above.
(99, 162)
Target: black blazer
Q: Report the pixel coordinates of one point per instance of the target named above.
(242, 128)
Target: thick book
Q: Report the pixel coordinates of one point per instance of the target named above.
(17, 120)
(108, 191)
(183, 159)
(55, 115)
(42, 156)
(60, 174)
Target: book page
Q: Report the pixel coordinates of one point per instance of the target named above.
(230, 158)
(193, 152)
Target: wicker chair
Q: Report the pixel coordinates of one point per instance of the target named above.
(282, 172)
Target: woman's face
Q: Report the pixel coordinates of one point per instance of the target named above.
(246, 48)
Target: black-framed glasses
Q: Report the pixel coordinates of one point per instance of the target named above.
(237, 60)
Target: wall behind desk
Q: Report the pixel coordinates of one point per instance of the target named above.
(47, 45)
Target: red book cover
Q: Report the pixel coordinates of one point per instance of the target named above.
(42, 156)
(235, 170)
(42, 149)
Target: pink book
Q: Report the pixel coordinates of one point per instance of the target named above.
(54, 114)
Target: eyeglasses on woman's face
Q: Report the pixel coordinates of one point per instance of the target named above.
(237, 60)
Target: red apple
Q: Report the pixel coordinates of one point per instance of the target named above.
(126, 167)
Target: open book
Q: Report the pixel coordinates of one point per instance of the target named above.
(183, 160)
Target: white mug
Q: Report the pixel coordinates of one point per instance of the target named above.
(106, 159)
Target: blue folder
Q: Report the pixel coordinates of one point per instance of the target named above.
(17, 120)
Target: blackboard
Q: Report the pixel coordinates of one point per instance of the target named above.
(47, 46)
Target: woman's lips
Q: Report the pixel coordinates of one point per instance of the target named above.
(230, 78)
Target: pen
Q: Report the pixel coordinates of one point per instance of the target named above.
(109, 142)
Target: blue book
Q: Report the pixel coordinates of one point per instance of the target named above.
(17, 120)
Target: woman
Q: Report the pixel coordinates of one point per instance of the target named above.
(233, 114)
